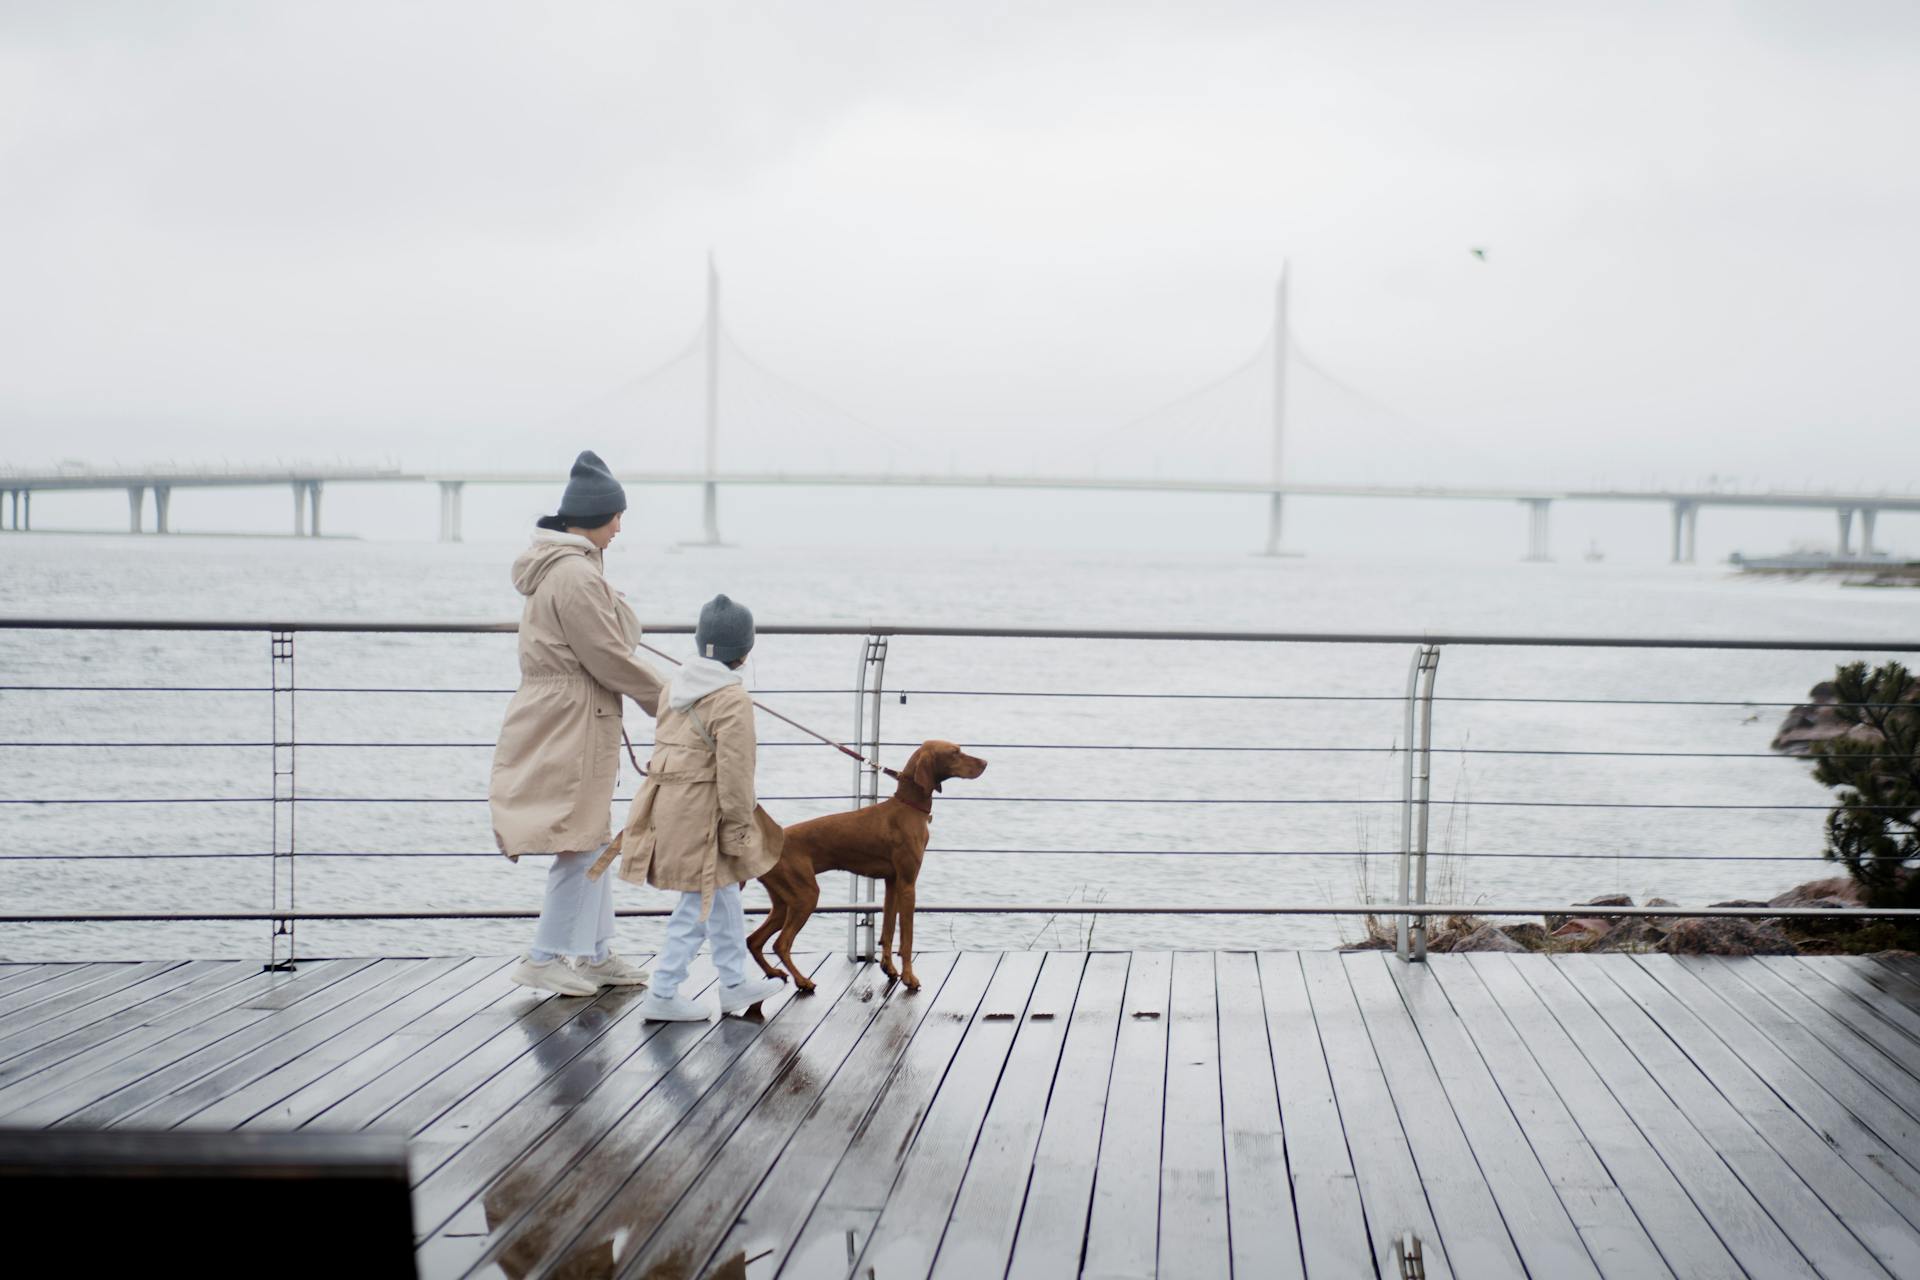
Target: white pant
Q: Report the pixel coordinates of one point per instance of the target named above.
(577, 917)
(725, 926)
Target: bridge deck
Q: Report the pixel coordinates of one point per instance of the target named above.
(1039, 1115)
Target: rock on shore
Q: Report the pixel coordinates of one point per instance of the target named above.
(1589, 927)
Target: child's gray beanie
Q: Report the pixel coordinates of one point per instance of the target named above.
(725, 633)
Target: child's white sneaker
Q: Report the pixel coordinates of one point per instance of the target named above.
(551, 975)
(612, 972)
(749, 993)
(659, 1008)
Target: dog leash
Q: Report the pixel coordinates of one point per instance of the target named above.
(841, 747)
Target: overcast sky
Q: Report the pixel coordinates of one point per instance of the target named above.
(432, 231)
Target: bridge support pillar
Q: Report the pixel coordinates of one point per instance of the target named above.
(1537, 509)
(24, 517)
(1867, 517)
(136, 504)
(299, 509)
(450, 491)
(313, 507)
(162, 498)
(11, 498)
(1846, 530)
(1686, 527)
(1273, 524)
(710, 512)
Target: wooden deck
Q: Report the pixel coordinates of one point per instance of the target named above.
(1045, 1115)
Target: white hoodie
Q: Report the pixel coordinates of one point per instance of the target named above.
(697, 678)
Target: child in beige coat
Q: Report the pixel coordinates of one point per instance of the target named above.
(695, 827)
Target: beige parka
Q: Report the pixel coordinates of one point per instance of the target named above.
(558, 754)
(695, 825)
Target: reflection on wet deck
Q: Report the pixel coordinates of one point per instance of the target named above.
(1042, 1115)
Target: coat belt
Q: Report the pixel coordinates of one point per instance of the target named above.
(707, 774)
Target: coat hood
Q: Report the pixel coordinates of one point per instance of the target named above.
(698, 678)
(548, 549)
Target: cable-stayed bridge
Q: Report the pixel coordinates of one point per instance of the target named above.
(1244, 414)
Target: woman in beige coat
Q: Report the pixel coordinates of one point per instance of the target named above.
(558, 755)
(695, 827)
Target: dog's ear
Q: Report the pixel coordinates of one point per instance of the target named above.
(920, 770)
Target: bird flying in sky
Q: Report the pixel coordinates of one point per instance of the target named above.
(1479, 253)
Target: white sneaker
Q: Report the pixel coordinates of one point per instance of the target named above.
(612, 972)
(749, 993)
(551, 975)
(659, 1008)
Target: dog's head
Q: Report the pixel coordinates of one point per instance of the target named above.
(934, 761)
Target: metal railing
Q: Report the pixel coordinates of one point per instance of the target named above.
(1409, 906)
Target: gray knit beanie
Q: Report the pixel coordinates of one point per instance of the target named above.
(592, 492)
(725, 633)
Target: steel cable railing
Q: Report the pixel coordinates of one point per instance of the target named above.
(1413, 849)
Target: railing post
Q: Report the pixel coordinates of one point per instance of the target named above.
(1410, 933)
(866, 783)
(1423, 778)
(281, 952)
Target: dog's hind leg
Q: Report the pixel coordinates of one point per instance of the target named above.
(795, 919)
(776, 916)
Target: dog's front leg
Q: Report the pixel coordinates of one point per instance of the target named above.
(886, 933)
(906, 937)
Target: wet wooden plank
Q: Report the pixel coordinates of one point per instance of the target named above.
(20, 1029)
(1800, 1214)
(250, 1085)
(906, 1237)
(1501, 1156)
(159, 1041)
(197, 1046)
(138, 1006)
(508, 1008)
(874, 1012)
(986, 1215)
(1539, 1001)
(239, 1040)
(1858, 1119)
(1320, 1175)
(531, 1226)
(1871, 1049)
(1193, 1161)
(1123, 1227)
(814, 1228)
(1862, 983)
(1262, 1228)
(822, 1027)
(1479, 1240)
(58, 980)
(1891, 978)
(1389, 1180)
(851, 1106)
(1809, 991)
(400, 1033)
(1536, 1091)
(100, 1016)
(17, 977)
(512, 1144)
(521, 1023)
(1052, 1223)
(1834, 1154)
(1907, 969)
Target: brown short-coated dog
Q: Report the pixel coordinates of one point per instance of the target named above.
(884, 841)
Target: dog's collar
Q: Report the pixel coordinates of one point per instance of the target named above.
(917, 805)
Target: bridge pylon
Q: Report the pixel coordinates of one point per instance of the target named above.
(710, 487)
